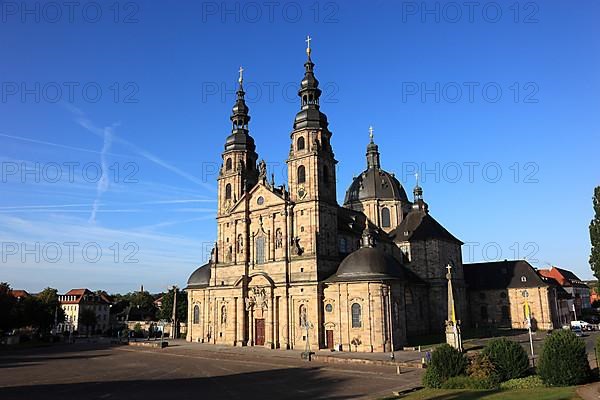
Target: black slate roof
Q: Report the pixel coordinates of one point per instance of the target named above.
(419, 225)
(372, 264)
(200, 278)
(502, 275)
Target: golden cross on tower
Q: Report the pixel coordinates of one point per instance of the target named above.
(449, 268)
(417, 177)
(241, 78)
(371, 133)
(308, 39)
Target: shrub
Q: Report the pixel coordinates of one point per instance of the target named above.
(432, 378)
(481, 367)
(564, 360)
(469, 382)
(446, 362)
(529, 382)
(509, 358)
(597, 348)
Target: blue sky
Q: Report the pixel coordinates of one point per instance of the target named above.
(113, 118)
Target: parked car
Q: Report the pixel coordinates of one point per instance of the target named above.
(578, 331)
(584, 326)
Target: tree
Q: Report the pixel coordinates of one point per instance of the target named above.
(53, 312)
(88, 319)
(7, 307)
(595, 235)
(166, 310)
(144, 303)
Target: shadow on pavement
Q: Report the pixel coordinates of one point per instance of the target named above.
(291, 383)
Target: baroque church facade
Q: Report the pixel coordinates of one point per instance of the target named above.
(291, 265)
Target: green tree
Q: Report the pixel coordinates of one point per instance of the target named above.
(595, 236)
(52, 311)
(7, 308)
(144, 302)
(166, 310)
(88, 319)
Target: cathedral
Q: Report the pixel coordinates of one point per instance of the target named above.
(292, 269)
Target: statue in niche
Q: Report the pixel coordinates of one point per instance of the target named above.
(240, 243)
(303, 318)
(278, 239)
(262, 170)
(224, 315)
(229, 254)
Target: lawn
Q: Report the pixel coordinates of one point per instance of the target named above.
(562, 393)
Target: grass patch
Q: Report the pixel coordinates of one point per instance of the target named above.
(559, 393)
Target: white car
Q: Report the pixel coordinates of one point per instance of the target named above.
(580, 324)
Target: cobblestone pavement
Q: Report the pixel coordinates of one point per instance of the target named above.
(186, 371)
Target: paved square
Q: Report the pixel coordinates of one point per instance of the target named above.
(187, 371)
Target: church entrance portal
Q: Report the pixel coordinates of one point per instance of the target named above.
(259, 325)
(329, 337)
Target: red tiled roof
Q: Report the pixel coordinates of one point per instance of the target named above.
(563, 277)
(19, 293)
(80, 295)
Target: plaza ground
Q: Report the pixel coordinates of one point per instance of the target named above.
(186, 371)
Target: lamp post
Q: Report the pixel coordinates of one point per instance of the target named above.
(525, 294)
(174, 316)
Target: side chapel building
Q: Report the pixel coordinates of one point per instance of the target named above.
(291, 265)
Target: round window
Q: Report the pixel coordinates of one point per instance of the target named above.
(329, 308)
(260, 201)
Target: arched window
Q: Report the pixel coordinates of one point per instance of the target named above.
(228, 164)
(385, 217)
(300, 144)
(484, 313)
(356, 323)
(505, 313)
(260, 250)
(343, 245)
(196, 314)
(228, 192)
(325, 174)
(301, 174)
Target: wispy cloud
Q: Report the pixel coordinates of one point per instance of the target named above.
(102, 185)
(87, 124)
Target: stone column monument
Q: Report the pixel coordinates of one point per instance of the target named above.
(453, 337)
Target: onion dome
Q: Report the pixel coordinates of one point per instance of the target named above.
(309, 115)
(240, 138)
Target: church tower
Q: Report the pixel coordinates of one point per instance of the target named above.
(311, 173)
(238, 172)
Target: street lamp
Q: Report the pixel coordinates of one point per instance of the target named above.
(525, 294)
(174, 316)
